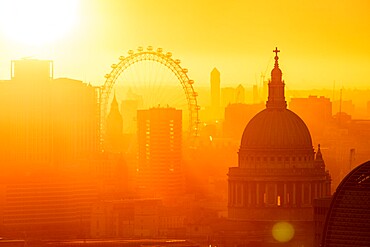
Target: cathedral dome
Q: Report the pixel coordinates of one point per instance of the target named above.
(278, 175)
(276, 129)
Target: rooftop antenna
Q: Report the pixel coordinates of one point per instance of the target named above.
(340, 101)
(262, 77)
(333, 90)
(352, 157)
(340, 106)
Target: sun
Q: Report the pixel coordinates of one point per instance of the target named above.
(36, 22)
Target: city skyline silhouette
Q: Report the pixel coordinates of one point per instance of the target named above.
(205, 123)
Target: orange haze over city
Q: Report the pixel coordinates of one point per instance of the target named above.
(184, 123)
(323, 41)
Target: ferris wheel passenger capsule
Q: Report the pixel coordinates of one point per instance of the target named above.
(130, 52)
(185, 70)
(168, 54)
(177, 61)
(150, 48)
(191, 82)
(140, 48)
(113, 66)
(121, 58)
(107, 76)
(159, 50)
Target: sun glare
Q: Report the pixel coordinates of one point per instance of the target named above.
(283, 231)
(36, 22)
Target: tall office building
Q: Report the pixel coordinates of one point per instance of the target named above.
(160, 152)
(75, 117)
(46, 123)
(26, 125)
(48, 126)
(215, 92)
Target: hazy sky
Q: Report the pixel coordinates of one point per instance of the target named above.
(320, 41)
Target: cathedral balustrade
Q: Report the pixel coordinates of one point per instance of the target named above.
(246, 172)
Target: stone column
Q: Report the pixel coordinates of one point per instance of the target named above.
(243, 200)
(285, 195)
(275, 193)
(249, 194)
(257, 194)
(294, 194)
(302, 193)
(232, 193)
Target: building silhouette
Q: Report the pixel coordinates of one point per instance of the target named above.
(320, 207)
(49, 145)
(278, 175)
(159, 132)
(227, 96)
(240, 94)
(315, 111)
(340, 106)
(231, 95)
(46, 206)
(237, 117)
(215, 92)
(129, 110)
(136, 218)
(255, 94)
(347, 221)
(46, 123)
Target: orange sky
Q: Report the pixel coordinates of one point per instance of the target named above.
(321, 41)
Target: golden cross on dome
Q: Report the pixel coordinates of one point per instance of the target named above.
(276, 51)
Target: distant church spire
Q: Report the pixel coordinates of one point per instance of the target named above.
(276, 98)
(318, 154)
(319, 161)
(114, 103)
(114, 138)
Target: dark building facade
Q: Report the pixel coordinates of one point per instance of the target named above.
(347, 222)
(320, 209)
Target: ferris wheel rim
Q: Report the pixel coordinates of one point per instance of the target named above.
(166, 60)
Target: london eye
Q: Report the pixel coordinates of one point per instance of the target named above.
(148, 78)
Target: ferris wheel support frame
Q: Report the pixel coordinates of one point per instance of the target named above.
(160, 57)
